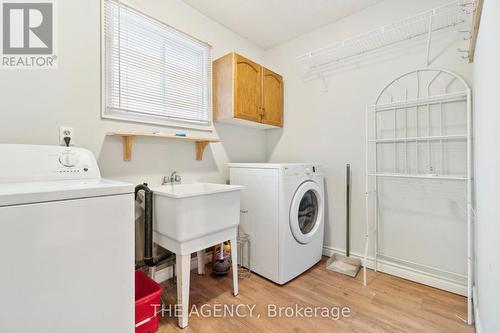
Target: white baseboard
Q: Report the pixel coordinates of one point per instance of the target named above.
(166, 273)
(409, 273)
(405, 272)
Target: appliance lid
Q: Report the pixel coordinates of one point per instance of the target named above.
(37, 173)
(37, 192)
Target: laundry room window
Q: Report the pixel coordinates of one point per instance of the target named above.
(153, 73)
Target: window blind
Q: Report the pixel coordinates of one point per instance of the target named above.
(153, 72)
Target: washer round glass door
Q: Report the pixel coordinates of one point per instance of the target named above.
(306, 212)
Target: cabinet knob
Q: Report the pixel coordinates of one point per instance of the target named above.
(261, 111)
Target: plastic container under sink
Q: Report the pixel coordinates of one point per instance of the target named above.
(147, 294)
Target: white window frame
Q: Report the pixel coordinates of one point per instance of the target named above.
(120, 115)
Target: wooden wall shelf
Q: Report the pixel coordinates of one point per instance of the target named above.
(476, 20)
(128, 140)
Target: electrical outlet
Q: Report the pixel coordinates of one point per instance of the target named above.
(65, 131)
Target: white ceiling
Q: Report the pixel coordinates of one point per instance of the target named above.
(267, 23)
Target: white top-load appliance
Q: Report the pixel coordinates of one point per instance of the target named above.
(66, 243)
(282, 210)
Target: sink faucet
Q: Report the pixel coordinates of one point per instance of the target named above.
(174, 178)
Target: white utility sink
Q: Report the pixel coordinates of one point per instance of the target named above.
(190, 218)
(185, 212)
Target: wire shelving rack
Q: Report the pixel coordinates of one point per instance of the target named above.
(325, 60)
(428, 94)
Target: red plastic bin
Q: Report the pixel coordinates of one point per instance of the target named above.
(147, 294)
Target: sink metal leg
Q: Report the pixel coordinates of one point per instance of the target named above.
(200, 255)
(183, 265)
(152, 270)
(234, 260)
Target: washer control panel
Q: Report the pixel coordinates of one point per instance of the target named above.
(23, 163)
(77, 163)
(308, 171)
(68, 158)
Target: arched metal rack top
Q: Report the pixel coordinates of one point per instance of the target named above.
(437, 73)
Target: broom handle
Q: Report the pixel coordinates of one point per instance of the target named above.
(348, 208)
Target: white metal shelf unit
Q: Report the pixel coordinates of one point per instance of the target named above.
(331, 58)
(415, 106)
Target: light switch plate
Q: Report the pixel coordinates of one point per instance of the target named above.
(65, 131)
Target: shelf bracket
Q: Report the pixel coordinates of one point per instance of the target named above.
(325, 83)
(127, 147)
(429, 37)
(200, 149)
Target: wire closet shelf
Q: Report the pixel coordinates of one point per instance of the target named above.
(407, 132)
(328, 59)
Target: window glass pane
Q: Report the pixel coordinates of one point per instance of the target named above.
(154, 71)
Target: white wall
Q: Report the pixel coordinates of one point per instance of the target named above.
(487, 185)
(329, 128)
(35, 103)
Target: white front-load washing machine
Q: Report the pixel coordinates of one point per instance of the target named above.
(282, 210)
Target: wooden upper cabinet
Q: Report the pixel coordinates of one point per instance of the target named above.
(248, 89)
(246, 93)
(272, 98)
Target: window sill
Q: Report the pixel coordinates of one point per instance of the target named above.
(158, 121)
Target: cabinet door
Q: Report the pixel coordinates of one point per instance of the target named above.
(272, 101)
(247, 90)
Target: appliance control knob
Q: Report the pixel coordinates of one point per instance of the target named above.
(308, 171)
(68, 159)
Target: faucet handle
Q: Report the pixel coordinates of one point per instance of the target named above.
(166, 179)
(177, 178)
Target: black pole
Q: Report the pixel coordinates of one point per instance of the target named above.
(348, 209)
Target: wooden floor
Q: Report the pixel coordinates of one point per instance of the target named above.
(387, 304)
